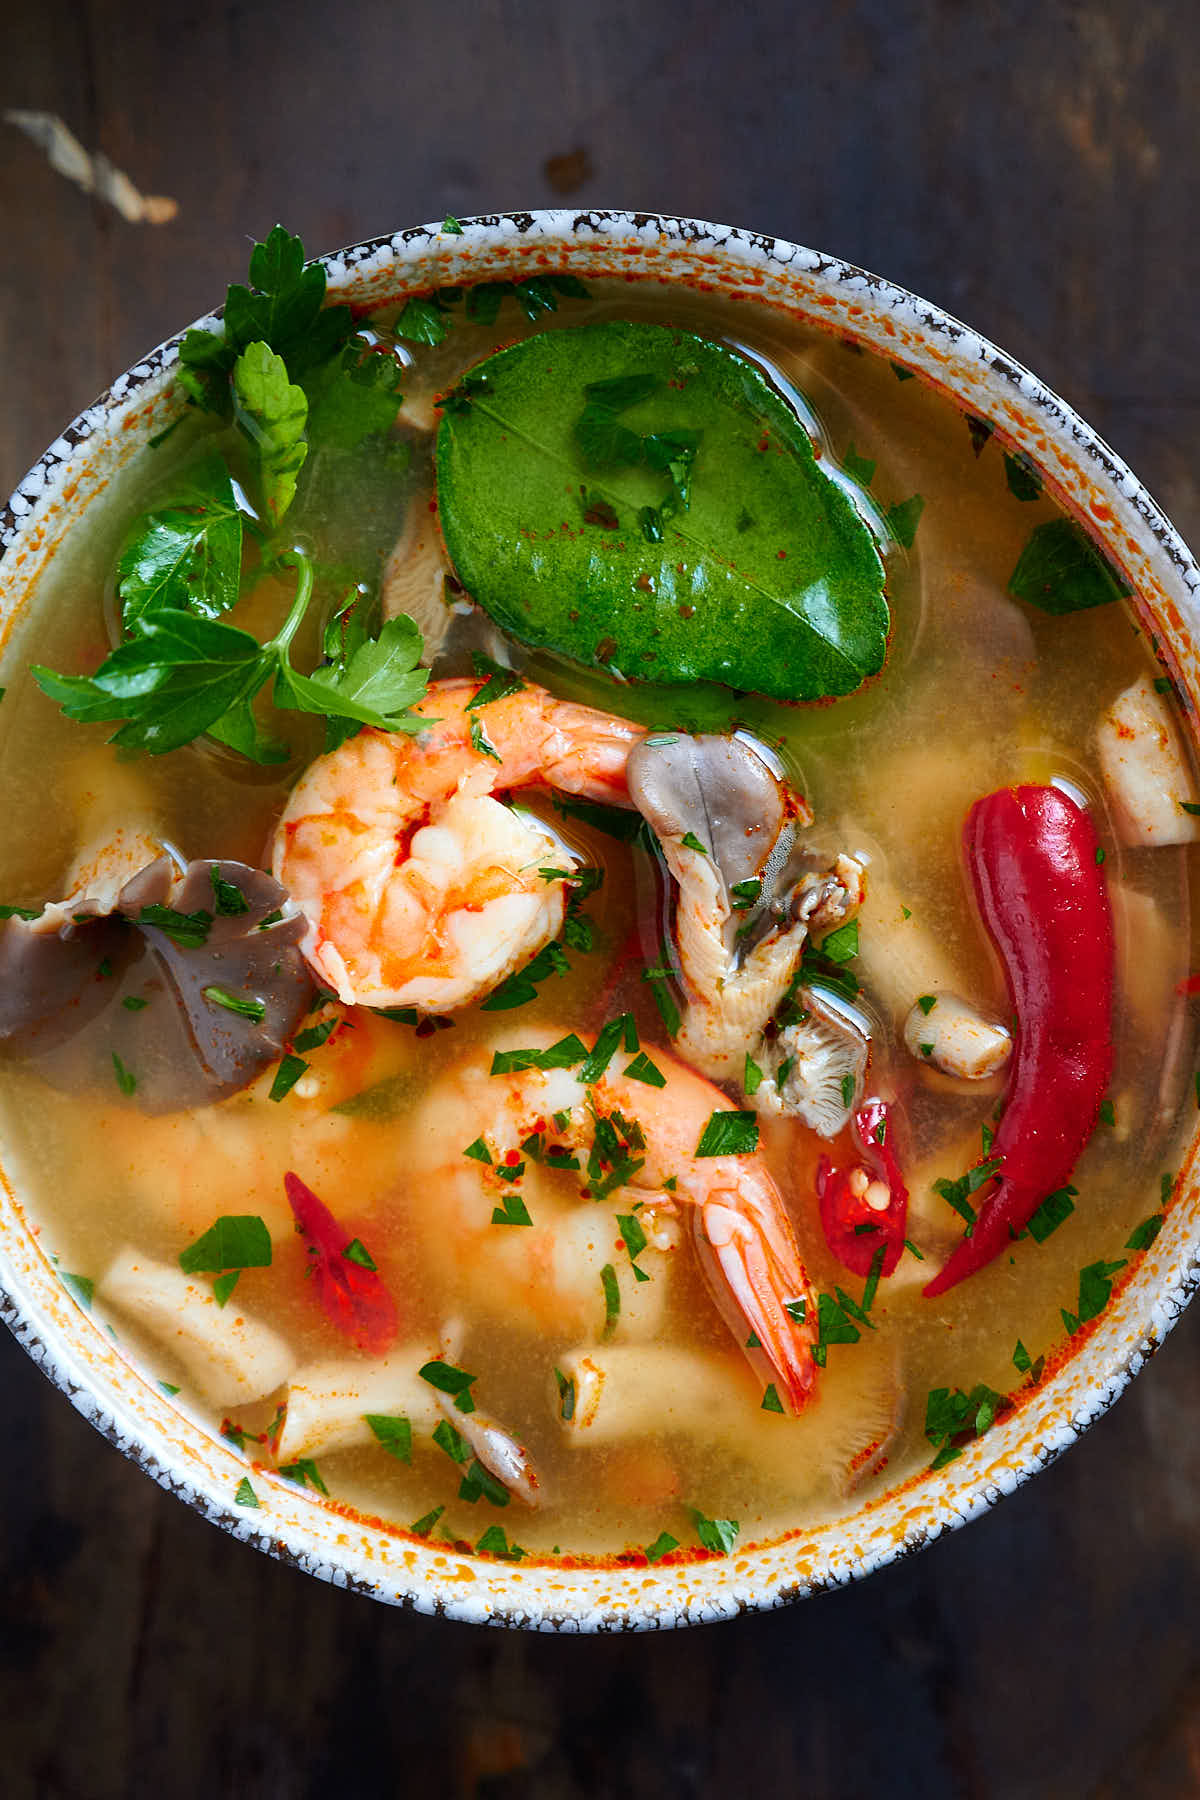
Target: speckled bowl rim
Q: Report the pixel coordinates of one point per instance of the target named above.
(128, 1407)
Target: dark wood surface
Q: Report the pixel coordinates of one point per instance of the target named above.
(1033, 166)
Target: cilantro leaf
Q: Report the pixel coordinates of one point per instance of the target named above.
(273, 413)
(234, 1241)
(187, 552)
(450, 1380)
(662, 1546)
(1061, 570)
(352, 397)
(715, 1534)
(729, 1134)
(380, 680)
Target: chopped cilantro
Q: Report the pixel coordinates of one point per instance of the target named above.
(847, 1088)
(245, 1495)
(228, 898)
(317, 1035)
(304, 1471)
(745, 894)
(1095, 1292)
(479, 1483)
(286, 1076)
(927, 1002)
(1108, 1115)
(642, 1069)
(729, 1133)
(841, 945)
(770, 1400)
(612, 1299)
(133, 1003)
(751, 1076)
(126, 1079)
(951, 1414)
(715, 1534)
(234, 1241)
(449, 1438)
(188, 930)
(393, 1433)
(480, 743)
(562, 1055)
(450, 1380)
(1022, 1361)
(357, 1252)
(494, 1543)
(910, 1246)
(169, 1389)
(1099, 854)
(690, 841)
(873, 1274)
(478, 1151)
(224, 1285)
(635, 1241)
(662, 1546)
(566, 1395)
(511, 1211)
(518, 989)
(1143, 1235)
(254, 1010)
(1050, 1214)
(423, 1526)
(603, 1051)
(451, 226)
(80, 1287)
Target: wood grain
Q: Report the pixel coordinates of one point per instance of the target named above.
(1034, 169)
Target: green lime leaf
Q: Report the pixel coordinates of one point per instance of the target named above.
(1061, 571)
(187, 553)
(273, 413)
(733, 558)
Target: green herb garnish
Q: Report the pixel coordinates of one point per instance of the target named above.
(393, 1433)
(234, 1241)
(1060, 570)
(254, 1010)
(450, 1380)
(715, 1534)
(729, 1134)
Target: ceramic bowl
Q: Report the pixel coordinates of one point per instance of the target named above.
(76, 1352)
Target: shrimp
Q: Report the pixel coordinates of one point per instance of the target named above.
(421, 887)
(539, 1133)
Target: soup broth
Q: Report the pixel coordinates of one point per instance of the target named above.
(690, 1448)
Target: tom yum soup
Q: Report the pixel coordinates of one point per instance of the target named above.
(605, 972)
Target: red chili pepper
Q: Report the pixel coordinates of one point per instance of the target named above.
(352, 1297)
(853, 1228)
(1042, 895)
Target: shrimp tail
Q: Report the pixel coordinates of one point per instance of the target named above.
(759, 1284)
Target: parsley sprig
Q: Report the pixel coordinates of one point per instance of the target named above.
(286, 370)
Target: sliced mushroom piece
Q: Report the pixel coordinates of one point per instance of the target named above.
(816, 1068)
(626, 1392)
(231, 1358)
(727, 825)
(498, 1451)
(328, 1402)
(1146, 770)
(194, 983)
(414, 576)
(948, 1032)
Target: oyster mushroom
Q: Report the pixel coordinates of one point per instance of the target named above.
(815, 1069)
(727, 825)
(189, 984)
(328, 1403)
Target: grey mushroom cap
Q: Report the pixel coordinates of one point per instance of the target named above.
(87, 992)
(719, 789)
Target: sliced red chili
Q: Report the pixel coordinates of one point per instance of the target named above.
(353, 1298)
(855, 1228)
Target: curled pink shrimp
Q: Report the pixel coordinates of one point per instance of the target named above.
(421, 887)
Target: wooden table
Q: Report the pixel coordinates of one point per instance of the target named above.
(1033, 168)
